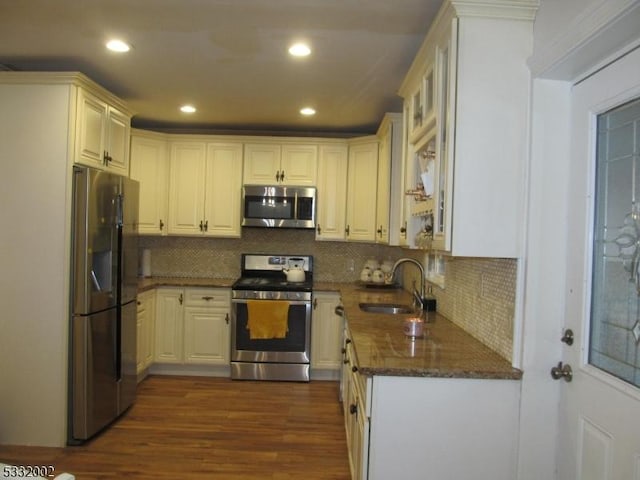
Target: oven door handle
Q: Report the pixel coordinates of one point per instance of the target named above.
(291, 302)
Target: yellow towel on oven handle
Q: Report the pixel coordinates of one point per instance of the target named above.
(267, 319)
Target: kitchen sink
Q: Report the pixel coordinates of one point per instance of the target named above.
(389, 308)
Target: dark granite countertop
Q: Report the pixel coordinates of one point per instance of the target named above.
(380, 346)
(445, 351)
(147, 283)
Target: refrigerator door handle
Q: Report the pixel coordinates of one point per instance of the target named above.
(117, 347)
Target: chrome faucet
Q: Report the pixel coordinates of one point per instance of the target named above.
(418, 296)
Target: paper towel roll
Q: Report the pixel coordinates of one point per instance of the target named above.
(146, 262)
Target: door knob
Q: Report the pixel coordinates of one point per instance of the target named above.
(567, 337)
(562, 371)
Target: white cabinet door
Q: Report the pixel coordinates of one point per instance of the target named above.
(118, 141)
(361, 192)
(92, 130)
(169, 331)
(206, 335)
(222, 209)
(299, 165)
(145, 337)
(332, 192)
(149, 167)
(326, 332)
(262, 163)
(186, 188)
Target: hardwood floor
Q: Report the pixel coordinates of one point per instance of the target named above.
(211, 428)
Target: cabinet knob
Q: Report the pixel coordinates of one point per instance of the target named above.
(354, 369)
(282, 176)
(180, 299)
(206, 225)
(161, 224)
(353, 409)
(226, 318)
(318, 229)
(278, 176)
(201, 226)
(315, 303)
(347, 230)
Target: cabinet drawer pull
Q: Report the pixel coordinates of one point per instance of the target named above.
(207, 298)
(161, 224)
(180, 299)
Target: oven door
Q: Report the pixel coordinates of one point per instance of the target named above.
(294, 347)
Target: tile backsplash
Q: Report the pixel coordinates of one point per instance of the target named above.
(220, 258)
(479, 293)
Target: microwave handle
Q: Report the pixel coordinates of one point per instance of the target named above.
(295, 205)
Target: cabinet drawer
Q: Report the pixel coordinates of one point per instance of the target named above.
(207, 297)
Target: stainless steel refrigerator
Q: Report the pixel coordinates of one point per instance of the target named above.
(102, 357)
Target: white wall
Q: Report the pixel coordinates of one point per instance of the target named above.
(34, 262)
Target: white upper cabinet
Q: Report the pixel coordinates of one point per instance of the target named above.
(187, 162)
(222, 208)
(280, 163)
(299, 164)
(362, 183)
(332, 191)
(262, 164)
(388, 218)
(205, 188)
(102, 134)
(150, 166)
(475, 56)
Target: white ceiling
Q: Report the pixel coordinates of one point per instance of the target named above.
(228, 57)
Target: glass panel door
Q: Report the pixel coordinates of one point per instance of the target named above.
(615, 304)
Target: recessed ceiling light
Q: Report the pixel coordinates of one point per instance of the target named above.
(299, 50)
(118, 46)
(187, 109)
(308, 111)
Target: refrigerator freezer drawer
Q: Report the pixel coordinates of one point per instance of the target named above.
(94, 388)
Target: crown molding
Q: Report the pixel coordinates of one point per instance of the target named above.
(605, 31)
(507, 9)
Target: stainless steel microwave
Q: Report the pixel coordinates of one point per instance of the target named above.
(278, 206)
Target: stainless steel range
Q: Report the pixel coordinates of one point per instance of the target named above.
(271, 318)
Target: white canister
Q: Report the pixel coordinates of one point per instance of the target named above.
(413, 327)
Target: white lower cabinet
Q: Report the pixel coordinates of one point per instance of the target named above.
(355, 395)
(326, 333)
(145, 322)
(192, 326)
(439, 428)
